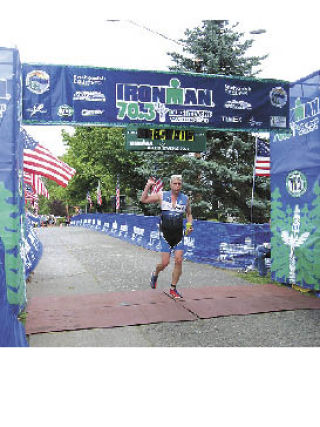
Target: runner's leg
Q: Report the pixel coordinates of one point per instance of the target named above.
(177, 271)
(165, 260)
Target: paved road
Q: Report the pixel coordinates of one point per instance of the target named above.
(79, 261)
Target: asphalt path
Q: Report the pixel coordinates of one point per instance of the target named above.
(79, 261)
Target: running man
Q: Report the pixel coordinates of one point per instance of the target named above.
(174, 205)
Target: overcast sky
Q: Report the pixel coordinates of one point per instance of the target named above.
(76, 33)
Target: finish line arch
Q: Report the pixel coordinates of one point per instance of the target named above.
(91, 96)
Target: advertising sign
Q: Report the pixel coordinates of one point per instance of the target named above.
(109, 97)
(295, 189)
(145, 139)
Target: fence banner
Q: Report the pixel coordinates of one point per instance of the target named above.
(295, 188)
(86, 95)
(32, 244)
(219, 244)
(12, 255)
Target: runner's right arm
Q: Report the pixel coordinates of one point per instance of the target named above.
(150, 198)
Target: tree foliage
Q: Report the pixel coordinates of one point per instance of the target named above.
(98, 154)
(221, 181)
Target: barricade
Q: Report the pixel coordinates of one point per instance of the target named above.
(32, 245)
(223, 245)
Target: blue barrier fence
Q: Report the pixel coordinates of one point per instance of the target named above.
(222, 245)
(32, 245)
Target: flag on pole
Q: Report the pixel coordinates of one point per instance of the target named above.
(118, 194)
(40, 161)
(89, 199)
(37, 184)
(262, 160)
(158, 186)
(99, 198)
(29, 193)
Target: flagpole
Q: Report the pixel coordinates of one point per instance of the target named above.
(253, 179)
(117, 195)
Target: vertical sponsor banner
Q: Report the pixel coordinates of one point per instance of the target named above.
(12, 260)
(86, 95)
(295, 188)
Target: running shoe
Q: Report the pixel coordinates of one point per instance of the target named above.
(175, 294)
(153, 281)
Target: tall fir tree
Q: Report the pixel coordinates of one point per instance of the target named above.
(221, 180)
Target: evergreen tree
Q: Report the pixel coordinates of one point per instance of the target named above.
(222, 180)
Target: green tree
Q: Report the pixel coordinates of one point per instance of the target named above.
(221, 181)
(98, 154)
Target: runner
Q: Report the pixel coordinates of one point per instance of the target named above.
(174, 205)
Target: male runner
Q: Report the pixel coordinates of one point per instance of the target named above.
(174, 205)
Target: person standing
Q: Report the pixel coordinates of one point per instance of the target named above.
(174, 205)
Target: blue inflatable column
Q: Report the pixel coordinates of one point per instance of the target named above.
(295, 190)
(12, 260)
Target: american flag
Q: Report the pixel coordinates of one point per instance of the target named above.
(99, 198)
(37, 184)
(29, 193)
(118, 195)
(89, 199)
(39, 160)
(32, 197)
(262, 161)
(158, 186)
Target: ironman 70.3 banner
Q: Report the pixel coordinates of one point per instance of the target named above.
(85, 95)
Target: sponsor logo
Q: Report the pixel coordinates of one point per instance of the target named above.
(278, 97)
(189, 241)
(65, 111)
(304, 119)
(84, 80)
(296, 183)
(237, 90)
(238, 105)
(86, 95)
(91, 112)
(106, 226)
(38, 81)
(138, 231)
(231, 119)
(254, 123)
(172, 94)
(144, 102)
(278, 121)
(37, 108)
(190, 116)
(302, 111)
